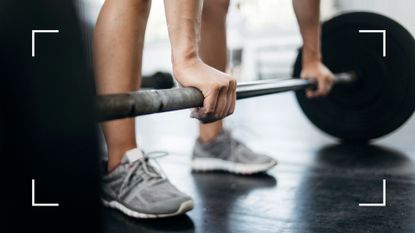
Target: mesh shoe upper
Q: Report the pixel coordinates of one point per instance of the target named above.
(137, 185)
(225, 147)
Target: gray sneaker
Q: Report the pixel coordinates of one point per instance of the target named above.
(138, 190)
(228, 154)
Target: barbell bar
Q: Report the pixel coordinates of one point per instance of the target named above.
(132, 104)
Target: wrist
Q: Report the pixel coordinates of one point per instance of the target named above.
(311, 56)
(184, 54)
(182, 64)
(184, 59)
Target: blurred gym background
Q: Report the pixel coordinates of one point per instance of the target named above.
(266, 30)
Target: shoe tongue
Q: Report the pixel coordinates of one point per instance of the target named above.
(133, 155)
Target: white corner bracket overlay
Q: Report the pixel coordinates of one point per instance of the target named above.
(383, 204)
(383, 32)
(34, 36)
(34, 204)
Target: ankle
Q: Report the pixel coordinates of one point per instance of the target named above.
(112, 166)
(208, 137)
(209, 132)
(115, 156)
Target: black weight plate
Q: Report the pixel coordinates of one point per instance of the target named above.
(383, 98)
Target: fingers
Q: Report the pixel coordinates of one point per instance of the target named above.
(324, 85)
(218, 89)
(232, 96)
(218, 103)
(226, 99)
(210, 103)
(214, 104)
(221, 108)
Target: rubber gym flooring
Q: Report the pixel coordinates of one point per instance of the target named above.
(317, 186)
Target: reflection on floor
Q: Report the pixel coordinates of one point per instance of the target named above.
(316, 187)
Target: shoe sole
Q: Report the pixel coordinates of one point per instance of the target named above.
(209, 164)
(184, 207)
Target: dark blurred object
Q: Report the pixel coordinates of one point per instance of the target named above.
(47, 121)
(158, 80)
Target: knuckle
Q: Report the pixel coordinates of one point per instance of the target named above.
(208, 108)
(226, 83)
(222, 85)
(233, 83)
(217, 86)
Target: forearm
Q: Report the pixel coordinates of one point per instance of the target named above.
(308, 17)
(184, 20)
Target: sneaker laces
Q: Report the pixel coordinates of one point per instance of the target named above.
(135, 175)
(154, 155)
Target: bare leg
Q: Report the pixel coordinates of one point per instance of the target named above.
(118, 48)
(213, 51)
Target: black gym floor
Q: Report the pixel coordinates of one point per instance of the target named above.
(317, 186)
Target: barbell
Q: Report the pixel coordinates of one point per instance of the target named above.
(116, 106)
(372, 96)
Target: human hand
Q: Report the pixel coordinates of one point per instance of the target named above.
(316, 70)
(218, 89)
